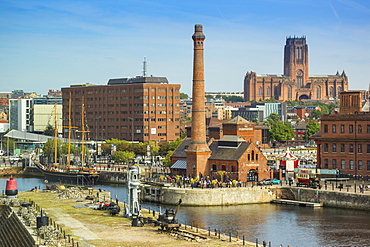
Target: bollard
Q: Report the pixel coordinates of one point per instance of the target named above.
(219, 234)
(197, 228)
(264, 243)
(216, 232)
(243, 240)
(73, 242)
(153, 213)
(269, 243)
(149, 210)
(230, 237)
(209, 231)
(185, 225)
(256, 242)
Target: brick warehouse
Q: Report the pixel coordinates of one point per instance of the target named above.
(134, 109)
(343, 142)
(295, 83)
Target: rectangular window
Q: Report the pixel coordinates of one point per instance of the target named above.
(360, 165)
(368, 148)
(326, 163)
(334, 162)
(359, 148)
(334, 128)
(334, 147)
(342, 164)
(368, 128)
(351, 165)
(342, 147)
(325, 128)
(351, 148)
(351, 128)
(341, 128)
(326, 147)
(359, 127)
(368, 165)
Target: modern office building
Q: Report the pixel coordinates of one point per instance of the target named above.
(295, 83)
(134, 109)
(47, 111)
(20, 117)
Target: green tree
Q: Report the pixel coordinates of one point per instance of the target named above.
(281, 131)
(49, 130)
(208, 96)
(9, 144)
(233, 99)
(123, 156)
(167, 159)
(274, 117)
(312, 128)
(49, 148)
(315, 114)
(184, 96)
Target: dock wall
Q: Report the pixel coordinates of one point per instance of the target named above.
(208, 197)
(328, 198)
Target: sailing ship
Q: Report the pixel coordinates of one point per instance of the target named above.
(69, 173)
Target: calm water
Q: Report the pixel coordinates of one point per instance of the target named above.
(280, 224)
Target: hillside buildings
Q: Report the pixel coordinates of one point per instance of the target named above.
(295, 83)
(133, 109)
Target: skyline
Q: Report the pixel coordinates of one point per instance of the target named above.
(49, 45)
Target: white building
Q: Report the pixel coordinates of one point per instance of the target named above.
(20, 114)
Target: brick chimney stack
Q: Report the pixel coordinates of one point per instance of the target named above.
(198, 152)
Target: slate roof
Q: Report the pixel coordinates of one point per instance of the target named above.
(179, 164)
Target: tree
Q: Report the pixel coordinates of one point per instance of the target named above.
(233, 99)
(9, 144)
(123, 156)
(184, 96)
(315, 114)
(49, 130)
(312, 128)
(281, 131)
(274, 117)
(208, 96)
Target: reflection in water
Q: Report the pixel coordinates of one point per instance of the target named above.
(286, 225)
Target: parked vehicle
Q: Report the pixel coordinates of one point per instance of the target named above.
(308, 178)
(268, 181)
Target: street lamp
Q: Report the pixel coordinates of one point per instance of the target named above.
(132, 129)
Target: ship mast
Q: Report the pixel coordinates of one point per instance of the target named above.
(83, 131)
(69, 131)
(55, 135)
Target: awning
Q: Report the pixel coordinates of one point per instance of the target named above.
(179, 164)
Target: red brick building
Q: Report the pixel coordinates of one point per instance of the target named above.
(343, 142)
(134, 109)
(295, 83)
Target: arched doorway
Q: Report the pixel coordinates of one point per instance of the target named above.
(252, 176)
(303, 96)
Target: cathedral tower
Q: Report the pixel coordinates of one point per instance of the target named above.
(296, 60)
(198, 152)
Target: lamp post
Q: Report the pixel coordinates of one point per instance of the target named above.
(132, 129)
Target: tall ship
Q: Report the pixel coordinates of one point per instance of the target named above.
(71, 172)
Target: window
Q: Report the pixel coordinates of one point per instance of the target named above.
(252, 154)
(260, 91)
(334, 128)
(359, 148)
(342, 128)
(249, 157)
(334, 147)
(368, 148)
(342, 147)
(368, 165)
(351, 148)
(359, 127)
(326, 147)
(334, 163)
(289, 92)
(359, 165)
(318, 92)
(326, 128)
(351, 128)
(368, 128)
(326, 163)
(214, 168)
(351, 165)
(343, 164)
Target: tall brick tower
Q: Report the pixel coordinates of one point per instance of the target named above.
(296, 60)
(198, 152)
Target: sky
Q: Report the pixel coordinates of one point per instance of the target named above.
(54, 44)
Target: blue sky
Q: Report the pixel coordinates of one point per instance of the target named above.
(53, 44)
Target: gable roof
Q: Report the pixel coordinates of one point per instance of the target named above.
(238, 119)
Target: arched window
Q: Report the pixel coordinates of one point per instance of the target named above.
(289, 92)
(268, 91)
(331, 91)
(339, 89)
(260, 91)
(299, 81)
(318, 92)
(252, 154)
